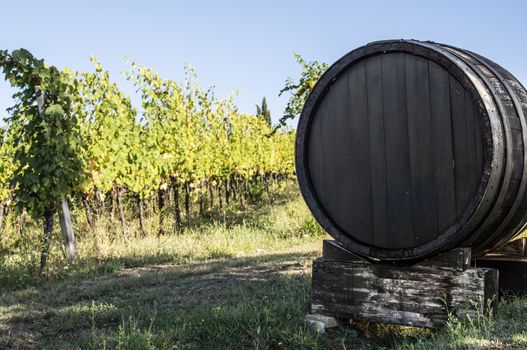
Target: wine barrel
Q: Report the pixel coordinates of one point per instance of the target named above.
(406, 149)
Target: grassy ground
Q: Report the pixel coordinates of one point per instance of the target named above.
(239, 280)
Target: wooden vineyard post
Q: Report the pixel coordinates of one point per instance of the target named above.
(48, 212)
(67, 229)
(64, 210)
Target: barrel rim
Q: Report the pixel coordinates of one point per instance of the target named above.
(488, 234)
(499, 72)
(492, 151)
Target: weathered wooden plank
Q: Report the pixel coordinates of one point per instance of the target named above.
(461, 151)
(458, 258)
(340, 183)
(442, 136)
(475, 173)
(374, 314)
(422, 155)
(377, 151)
(479, 142)
(512, 269)
(320, 145)
(407, 295)
(401, 233)
(358, 163)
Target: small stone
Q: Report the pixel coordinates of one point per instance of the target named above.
(329, 322)
(317, 326)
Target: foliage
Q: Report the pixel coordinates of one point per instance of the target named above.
(107, 129)
(197, 139)
(299, 90)
(47, 166)
(90, 141)
(264, 112)
(84, 140)
(7, 162)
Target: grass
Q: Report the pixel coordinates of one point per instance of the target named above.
(233, 233)
(249, 303)
(237, 280)
(505, 330)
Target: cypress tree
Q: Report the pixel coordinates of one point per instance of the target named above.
(264, 112)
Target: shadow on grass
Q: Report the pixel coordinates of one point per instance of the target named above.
(24, 276)
(234, 303)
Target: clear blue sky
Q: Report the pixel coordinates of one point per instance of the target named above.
(248, 45)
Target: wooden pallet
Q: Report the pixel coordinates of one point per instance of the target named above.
(511, 262)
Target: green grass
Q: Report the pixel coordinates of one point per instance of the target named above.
(505, 330)
(253, 302)
(239, 279)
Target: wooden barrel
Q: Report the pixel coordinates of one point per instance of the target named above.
(406, 149)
